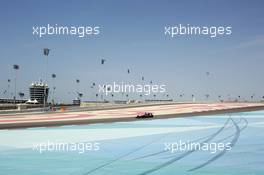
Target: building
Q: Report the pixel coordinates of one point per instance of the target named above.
(76, 102)
(37, 92)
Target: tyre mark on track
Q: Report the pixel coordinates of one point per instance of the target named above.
(123, 156)
(170, 156)
(233, 142)
(184, 154)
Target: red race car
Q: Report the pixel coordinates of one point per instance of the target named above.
(144, 115)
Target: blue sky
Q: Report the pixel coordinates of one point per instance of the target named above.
(132, 36)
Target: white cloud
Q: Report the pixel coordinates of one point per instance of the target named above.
(256, 41)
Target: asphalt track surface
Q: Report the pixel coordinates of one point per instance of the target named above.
(143, 155)
(122, 114)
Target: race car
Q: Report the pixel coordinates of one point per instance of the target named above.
(144, 115)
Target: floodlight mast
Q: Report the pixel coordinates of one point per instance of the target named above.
(46, 53)
(15, 67)
(53, 76)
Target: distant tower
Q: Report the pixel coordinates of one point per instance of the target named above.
(37, 92)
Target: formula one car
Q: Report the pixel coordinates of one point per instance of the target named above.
(142, 115)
